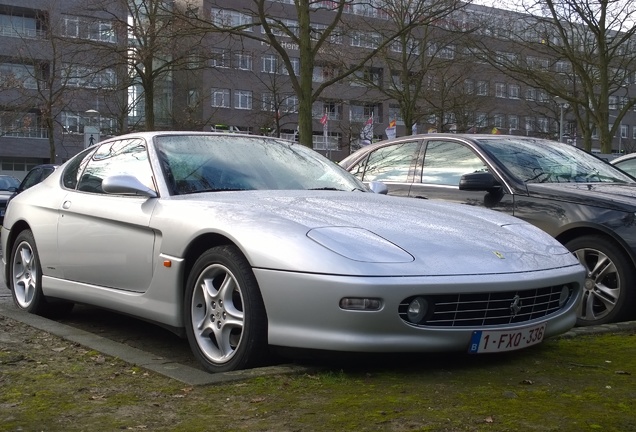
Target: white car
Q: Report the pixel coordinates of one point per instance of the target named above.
(242, 243)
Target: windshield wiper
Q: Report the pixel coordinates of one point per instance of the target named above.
(327, 188)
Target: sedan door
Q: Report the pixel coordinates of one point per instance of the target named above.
(105, 239)
(394, 164)
(444, 162)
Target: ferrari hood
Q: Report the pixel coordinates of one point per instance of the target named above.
(344, 232)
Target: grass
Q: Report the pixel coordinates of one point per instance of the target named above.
(585, 383)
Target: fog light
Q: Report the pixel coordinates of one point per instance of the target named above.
(565, 295)
(368, 304)
(417, 310)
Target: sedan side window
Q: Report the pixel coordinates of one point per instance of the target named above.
(392, 163)
(127, 157)
(445, 162)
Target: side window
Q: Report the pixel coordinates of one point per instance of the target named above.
(75, 168)
(445, 162)
(32, 178)
(392, 163)
(115, 158)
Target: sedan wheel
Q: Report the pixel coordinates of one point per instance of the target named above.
(26, 279)
(226, 322)
(608, 292)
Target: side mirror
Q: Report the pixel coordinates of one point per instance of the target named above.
(478, 181)
(378, 187)
(126, 185)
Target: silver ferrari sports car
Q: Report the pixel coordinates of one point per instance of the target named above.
(245, 243)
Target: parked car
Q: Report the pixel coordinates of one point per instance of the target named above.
(244, 243)
(581, 200)
(8, 186)
(33, 177)
(627, 163)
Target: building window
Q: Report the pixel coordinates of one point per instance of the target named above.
(13, 75)
(481, 119)
(563, 67)
(220, 58)
(243, 99)
(193, 98)
(270, 63)
(513, 122)
(469, 87)
(221, 98)
(613, 102)
(513, 91)
(529, 124)
(228, 18)
(531, 94)
(268, 102)
(482, 88)
(542, 124)
(243, 61)
(295, 61)
(323, 73)
(91, 29)
(624, 131)
(499, 120)
(500, 90)
(634, 132)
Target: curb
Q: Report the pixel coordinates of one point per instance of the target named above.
(186, 374)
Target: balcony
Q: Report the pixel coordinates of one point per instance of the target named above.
(24, 133)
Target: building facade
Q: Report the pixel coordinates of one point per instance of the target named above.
(63, 86)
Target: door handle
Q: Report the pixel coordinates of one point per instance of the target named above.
(66, 205)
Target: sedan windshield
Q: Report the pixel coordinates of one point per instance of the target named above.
(209, 163)
(542, 161)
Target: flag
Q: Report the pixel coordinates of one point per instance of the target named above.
(324, 119)
(391, 131)
(495, 131)
(366, 134)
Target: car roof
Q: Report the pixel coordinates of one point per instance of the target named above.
(623, 158)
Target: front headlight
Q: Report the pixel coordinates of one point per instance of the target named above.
(359, 244)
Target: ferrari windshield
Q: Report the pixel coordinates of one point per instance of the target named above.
(542, 161)
(211, 163)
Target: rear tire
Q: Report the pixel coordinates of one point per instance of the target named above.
(225, 318)
(609, 293)
(26, 280)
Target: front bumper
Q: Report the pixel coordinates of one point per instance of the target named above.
(303, 309)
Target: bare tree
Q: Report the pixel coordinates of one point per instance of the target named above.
(416, 66)
(323, 42)
(160, 41)
(578, 50)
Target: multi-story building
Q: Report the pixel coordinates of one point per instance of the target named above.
(55, 93)
(60, 87)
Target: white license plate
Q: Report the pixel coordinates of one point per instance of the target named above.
(489, 341)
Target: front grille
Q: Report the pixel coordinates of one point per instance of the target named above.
(488, 309)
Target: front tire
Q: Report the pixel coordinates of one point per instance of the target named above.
(225, 318)
(608, 294)
(26, 280)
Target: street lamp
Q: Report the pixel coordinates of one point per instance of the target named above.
(92, 132)
(563, 105)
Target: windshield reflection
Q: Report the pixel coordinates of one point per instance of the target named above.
(208, 163)
(543, 161)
